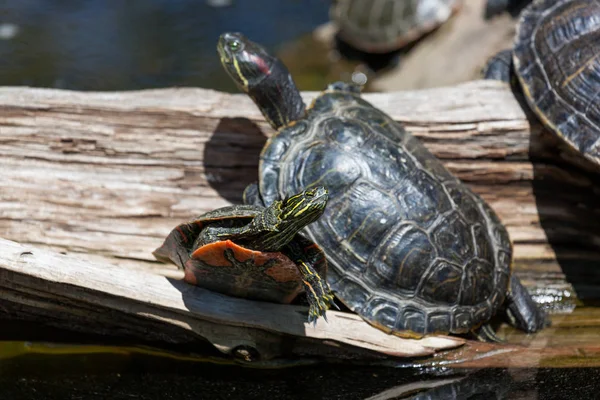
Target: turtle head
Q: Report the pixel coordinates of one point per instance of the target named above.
(282, 220)
(303, 208)
(263, 77)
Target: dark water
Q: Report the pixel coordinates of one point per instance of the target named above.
(136, 44)
(93, 372)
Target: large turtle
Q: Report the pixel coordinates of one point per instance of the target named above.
(382, 26)
(556, 64)
(410, 248)
(255, 252)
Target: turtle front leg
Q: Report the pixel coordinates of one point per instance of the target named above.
(499, 67)
(319, 295)
(318, 292)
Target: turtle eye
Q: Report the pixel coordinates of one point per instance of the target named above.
(235, 45)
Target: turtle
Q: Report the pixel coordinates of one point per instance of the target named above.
(410, 248)
(383, 26)
(554, 65)
(255, 252)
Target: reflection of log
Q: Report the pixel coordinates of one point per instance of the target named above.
(106, 176)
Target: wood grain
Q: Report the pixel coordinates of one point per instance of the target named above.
(67, 292)
(103, 177)
(107, 175)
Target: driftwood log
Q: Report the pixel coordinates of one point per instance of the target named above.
(103, 177)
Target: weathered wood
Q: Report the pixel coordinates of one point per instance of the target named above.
(93, 297)
(108, 175)
(67, 292)
(571, 341)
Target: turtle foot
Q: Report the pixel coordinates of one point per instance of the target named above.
(499, 67)
(320, 298)
(485, 333)
(522, 311)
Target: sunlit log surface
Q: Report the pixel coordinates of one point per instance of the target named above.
(105, 176)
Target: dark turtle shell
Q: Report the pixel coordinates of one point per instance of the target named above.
(381, 26)
(231, 269)
(410, 248)
(556, 60)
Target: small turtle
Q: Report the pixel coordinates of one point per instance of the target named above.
(382, 26)
(410, 248)
(255, 252)
(556, 64)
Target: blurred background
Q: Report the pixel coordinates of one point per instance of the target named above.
(122, 45)
(126, 45)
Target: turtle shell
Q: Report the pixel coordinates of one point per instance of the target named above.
(556, 61)
(229, 268)
(381, 26)
(409, 247)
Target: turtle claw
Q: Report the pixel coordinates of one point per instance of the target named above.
(320, 299)
(319, 305)
(334, 304)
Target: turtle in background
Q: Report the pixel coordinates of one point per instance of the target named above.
(375, 31)
(254, 252)
(382, 26)
(410, 248)
(554, 65)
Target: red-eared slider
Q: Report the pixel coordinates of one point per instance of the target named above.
(555, 59)
(255, 252)
(409, 247)
(381, 26)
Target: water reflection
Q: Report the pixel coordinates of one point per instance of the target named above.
(118, 45)
(90, 373)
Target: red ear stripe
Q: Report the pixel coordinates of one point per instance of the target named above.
(261, 64)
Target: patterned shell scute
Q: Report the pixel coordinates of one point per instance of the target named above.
(402, 259)
(410, 248)
(556, 60)
(386, 25)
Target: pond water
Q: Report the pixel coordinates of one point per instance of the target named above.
(123, 45)
(46, 371)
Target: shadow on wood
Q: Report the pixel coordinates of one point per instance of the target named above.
(229, 165)
(567, 197)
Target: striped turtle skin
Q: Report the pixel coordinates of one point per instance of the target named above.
(254, 252)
